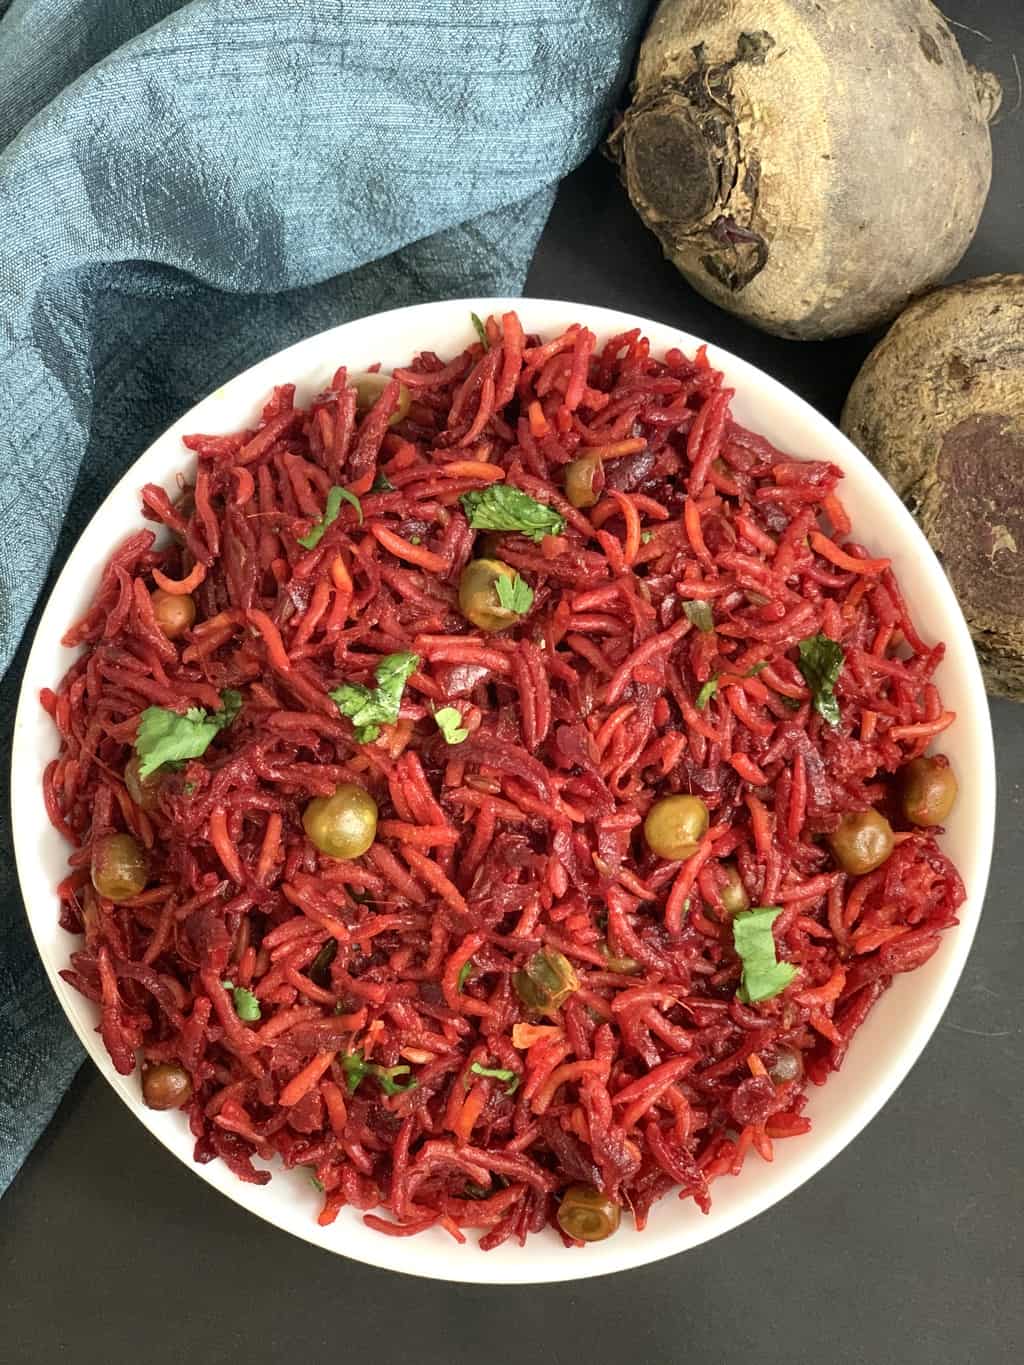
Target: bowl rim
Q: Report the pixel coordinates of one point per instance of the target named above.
(450, 319)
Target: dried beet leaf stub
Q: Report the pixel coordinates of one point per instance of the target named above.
(680, 154)
(671, 158)
(952, 445)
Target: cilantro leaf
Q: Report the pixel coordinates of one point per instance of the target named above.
(711, 686)
(164, 736)
(514, 594)
(449, 722)
(359, 703)
(698, 613)
(386, 1076)
(353, 501)
(764, 976)
(464, 972)
(821, 660)
(370, 708)
(231, 705)
(646, 537)
(247, 1007)
(480, 330)
(382, 484)
(502, 508)
(319, 970)
(393, 671)
(706, 693)
(499, 1073)
(356, 1070)
(315, 534)
(473, 1191)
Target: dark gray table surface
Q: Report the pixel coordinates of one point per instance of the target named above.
(907, 1249)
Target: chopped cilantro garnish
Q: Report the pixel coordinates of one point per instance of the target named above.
(706, 693)
(356, 1070)
(319, 970)
(164, 736)
(503, 508)
(821, 660)
(370, 708)
(247, 1007)
(764, 976)
(498, 1073)
(449, 722)
(514, 594)
(315, 534)
(385, 1075)
(698, 613)
(480, 330)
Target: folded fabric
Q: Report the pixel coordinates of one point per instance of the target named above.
(185, 188)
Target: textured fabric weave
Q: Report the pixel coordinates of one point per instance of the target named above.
(185, 189)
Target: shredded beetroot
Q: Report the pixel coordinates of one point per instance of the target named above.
(526, 835)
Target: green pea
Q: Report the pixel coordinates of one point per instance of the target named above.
(343, 825)
(675, 826)
(119, 866)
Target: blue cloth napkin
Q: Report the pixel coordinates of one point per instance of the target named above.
(186, 188)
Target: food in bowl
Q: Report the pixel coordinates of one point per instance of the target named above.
(502, 791)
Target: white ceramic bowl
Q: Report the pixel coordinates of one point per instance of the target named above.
(898, 1028)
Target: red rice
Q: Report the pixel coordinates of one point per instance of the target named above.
(653, 1078)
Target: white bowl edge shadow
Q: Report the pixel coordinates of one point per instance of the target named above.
(909, 1012)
